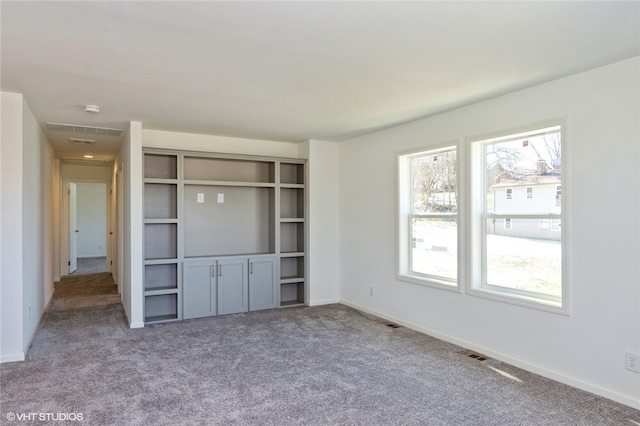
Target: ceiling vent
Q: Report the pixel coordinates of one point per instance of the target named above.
(78, 141)
(83, 130)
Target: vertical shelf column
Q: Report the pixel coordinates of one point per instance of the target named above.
(162, 297)
(293, 234)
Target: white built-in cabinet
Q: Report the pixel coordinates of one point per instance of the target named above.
(222, 234)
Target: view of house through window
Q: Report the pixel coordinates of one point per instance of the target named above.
(521, 235)
(433, 220)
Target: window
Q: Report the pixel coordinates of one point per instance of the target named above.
(523, 261)
(428, 217)
(507, 224)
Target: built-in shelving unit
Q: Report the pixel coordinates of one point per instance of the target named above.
(292, 234)
(201, 209)
(162, 292)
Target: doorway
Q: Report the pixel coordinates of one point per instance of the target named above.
(87, 227)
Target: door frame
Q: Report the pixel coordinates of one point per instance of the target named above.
(64, 223)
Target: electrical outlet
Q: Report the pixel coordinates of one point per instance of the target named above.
(371, 290)
(632, 362)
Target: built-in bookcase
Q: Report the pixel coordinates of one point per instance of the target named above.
(202, 207)
(293, 231)
(162, 290)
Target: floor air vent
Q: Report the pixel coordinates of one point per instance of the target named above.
(392, 325)
(473, 355)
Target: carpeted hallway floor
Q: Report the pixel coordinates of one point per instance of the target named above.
(325, 365)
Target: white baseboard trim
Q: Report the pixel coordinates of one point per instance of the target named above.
(323, 302)
(550, 374)
(20, 356)
(136, 325)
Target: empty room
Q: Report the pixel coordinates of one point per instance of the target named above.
(320, 213)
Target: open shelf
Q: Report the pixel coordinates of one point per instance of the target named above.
(163, 307)
(160, 241)
(161, 277)
(292, 237)
(292, 294)
(223, 169)
(160, 201)
(291, 203)
(292, 268)
(291, 173)
(160, 166)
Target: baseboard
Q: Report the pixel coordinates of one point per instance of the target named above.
(323, 302)
(550, 374)
(91, 256)
(136, 325)
(12, 357)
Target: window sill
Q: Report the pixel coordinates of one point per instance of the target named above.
(430, 282)
(521, 300)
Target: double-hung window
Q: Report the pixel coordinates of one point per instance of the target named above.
(516, 255)
(428, 217)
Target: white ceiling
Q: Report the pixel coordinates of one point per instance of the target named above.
(292, 71)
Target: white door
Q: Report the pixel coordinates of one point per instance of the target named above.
(73, 229)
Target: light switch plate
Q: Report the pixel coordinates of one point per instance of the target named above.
(220, 197)
(200, 197)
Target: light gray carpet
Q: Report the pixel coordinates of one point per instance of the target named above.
(91, 265)
(326, 365)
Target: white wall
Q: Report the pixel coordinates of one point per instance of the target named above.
(91, 212)
(585, 349)
(322, 218)
(27, 229)
(130, 158)
(11, 338)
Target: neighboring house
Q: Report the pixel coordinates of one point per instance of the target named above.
(531, 193)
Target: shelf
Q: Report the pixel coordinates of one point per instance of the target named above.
(160, 241)
(292, 254)
(292, 294)
(161, 277)
(160, 318)
(291, 203)
(223, 169)
(161, 307)
(292, 268)
(291, 237)
(230, 183)
(160, 201)
(291, 173)
(159, 221)
(160, 292)
(291, 280)
(292, 220)
(160, 166)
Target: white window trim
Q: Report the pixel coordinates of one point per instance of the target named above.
(476, 211)
(404, 216)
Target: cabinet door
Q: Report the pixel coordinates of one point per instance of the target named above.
(233, 286)
(199, 296)
(263, 284)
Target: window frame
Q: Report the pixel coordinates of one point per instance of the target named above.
(477, 255)
(404, 261)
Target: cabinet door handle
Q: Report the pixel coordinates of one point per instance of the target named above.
(251, 268)
(219, 270)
